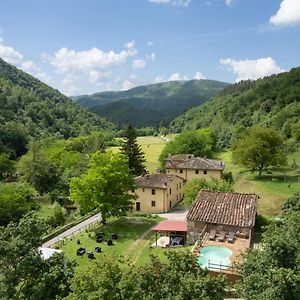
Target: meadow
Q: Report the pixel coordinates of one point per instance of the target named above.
(273, 188)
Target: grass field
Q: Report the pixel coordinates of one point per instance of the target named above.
(273, 189)
(133, 244)
(152, 147)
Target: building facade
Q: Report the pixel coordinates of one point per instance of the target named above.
(221, 211)
(190, 167)
(157, 193)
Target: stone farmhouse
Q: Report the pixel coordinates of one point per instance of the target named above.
(157, 193)
(221, 212)
(190, 167)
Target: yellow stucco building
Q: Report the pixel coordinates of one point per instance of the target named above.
(157, 193)
(189, 167)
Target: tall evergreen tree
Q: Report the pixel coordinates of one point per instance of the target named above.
(132, 150)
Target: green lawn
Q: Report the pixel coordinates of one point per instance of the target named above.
(273, 189)
(152, 147)
(133, 244)
(134, 240)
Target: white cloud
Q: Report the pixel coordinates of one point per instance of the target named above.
(139, 64)
(150, 44)
(66, 60)
(94, 65)
(184, 3)
(177, 77)
(96, 76)
(151, 56)
(9, 54)
(252, 69)
(288, 13)
(31, 68)
(127, 85)
(199, 76)
(12, 56)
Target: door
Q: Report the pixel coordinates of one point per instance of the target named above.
(137, 206)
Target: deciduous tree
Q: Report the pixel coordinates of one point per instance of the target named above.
(259, 149)
(24, 273)
(192, 188)
(106, 185)
(178, 278)
(38, 170)
(201, 142)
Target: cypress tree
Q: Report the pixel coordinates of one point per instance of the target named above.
(132, 150)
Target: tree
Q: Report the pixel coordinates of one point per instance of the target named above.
(108, 279)
(192, 188)
(15, 201)
(201, 142)
(38, 170)
(273, 272)
(133, 152)
(259, 149)
(106, 185)
(24, 273)
(6, 166)
(292, 203)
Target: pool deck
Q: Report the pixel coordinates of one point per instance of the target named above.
(240, 245)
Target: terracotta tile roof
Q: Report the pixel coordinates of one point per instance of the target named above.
(233, 209)
(155, 180)
(171, 226)
(188, 161)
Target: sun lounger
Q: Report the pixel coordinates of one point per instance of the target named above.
(231, 237)
(212, 234)
(221, 236)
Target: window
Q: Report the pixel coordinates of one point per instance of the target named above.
(197, 171)
(205, 172)
(180, 185)
(177, 186)
(143, 190)
(181, 171)
(153, 191)
(133, 190)
(153, 203)
(170, 191)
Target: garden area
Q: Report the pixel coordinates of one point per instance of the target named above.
(134, 238)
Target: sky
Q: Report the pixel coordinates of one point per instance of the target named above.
(86, 46)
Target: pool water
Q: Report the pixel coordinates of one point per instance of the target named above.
(215, 255)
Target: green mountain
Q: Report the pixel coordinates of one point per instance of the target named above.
(28, 107)
(151, 104)
(271, 101)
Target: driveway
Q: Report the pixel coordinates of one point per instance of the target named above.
(77, 228)
(177, 213)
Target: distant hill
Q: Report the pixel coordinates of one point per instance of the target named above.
(31, 108)
(151, 104)
(271, 101)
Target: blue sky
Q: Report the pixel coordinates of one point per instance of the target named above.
(85, 46)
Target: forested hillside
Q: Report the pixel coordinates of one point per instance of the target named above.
(151, 104)
(29, 108)
(271, 101)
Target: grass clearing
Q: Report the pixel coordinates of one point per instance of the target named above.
(152, 147)
(273, 189)
(133, 244)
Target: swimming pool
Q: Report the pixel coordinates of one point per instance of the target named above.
(218, 255)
